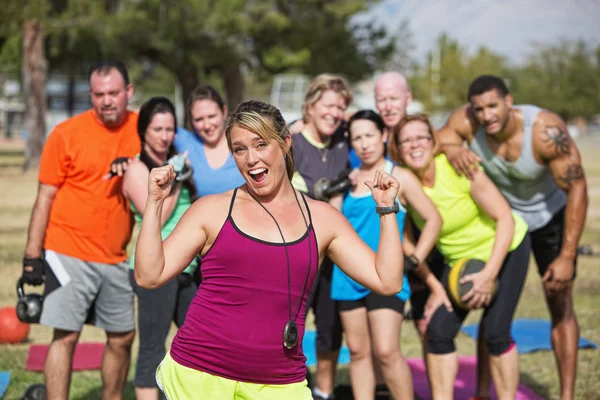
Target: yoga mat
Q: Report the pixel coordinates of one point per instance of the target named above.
(88, 356)
(465, 383)
(4, 381)
(308, 347)
(530, 335)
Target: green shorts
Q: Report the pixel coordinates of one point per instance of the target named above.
(181, 383)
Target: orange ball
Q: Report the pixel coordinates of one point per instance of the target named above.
(11, 329)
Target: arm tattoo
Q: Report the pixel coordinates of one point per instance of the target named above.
(573, 173)
(557, 136)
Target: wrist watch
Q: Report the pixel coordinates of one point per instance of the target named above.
(390, 209)
(414, 259)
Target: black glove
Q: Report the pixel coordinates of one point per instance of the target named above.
(118, 162)
(33, 271)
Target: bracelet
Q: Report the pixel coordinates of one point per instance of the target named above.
(387, 210)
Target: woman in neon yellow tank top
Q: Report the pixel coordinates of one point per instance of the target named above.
(477, 223)
(157, 308)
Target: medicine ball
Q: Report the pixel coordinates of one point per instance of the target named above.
(11, 329)
(462, 268)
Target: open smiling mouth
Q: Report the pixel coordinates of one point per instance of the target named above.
(258, 175)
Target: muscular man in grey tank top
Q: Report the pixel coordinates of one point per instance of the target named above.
(530, 156)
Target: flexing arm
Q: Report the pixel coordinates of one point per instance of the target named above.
(40, 216)
(413, 193)
(555, 146)
(135, 188)
(156, 262)
(459, 128)
(491, 201)
(383, 271)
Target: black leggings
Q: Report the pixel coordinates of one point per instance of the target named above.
(156, 309)
(498, 315)
(327, 315)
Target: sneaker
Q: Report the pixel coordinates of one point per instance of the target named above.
(322, 396)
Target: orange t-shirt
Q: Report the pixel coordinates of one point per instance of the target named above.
(90, 218)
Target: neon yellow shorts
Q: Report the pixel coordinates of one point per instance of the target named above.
(181, 383)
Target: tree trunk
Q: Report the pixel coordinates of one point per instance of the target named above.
(233, 81)
(34, 85)
(188, 79)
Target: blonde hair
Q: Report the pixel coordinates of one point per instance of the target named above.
(267, 122)
(319, 85)
(394, 143)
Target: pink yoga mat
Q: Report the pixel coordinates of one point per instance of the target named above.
(465, 384)
(88, 356)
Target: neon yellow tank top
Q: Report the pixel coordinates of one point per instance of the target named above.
(467, 231)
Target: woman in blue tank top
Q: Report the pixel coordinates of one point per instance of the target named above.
(204, 140)
(371, 321)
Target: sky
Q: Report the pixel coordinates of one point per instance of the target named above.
(509, 27)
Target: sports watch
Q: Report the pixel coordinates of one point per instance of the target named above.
(390, 209)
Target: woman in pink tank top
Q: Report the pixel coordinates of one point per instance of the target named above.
(261, 245)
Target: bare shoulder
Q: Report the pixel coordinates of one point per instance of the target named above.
(324, 215)
(551, 138)
(136, 171)
(401, 174)
(328, 222)
(463, 120)
(137, 165)
(212, 203)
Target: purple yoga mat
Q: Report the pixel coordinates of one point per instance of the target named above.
(464, 386)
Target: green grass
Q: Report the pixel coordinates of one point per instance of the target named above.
(538, 370)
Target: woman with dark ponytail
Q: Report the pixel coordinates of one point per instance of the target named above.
(158, 307)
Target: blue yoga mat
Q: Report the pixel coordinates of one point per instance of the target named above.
(308, 346)
(4, 381)
(530, 335)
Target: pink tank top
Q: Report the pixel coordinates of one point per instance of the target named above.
(234, 326)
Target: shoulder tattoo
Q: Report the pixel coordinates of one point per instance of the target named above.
(557, 137)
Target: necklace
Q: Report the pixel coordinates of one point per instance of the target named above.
(290, 330)
(323, 154)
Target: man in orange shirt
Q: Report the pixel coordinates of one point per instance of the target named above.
(79, 229)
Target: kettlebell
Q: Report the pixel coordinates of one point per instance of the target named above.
(35, 392)
(29, 306)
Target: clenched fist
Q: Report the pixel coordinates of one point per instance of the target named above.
(384, 188)
(160, 182)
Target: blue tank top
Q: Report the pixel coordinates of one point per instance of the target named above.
(207, 179)
(360, 211)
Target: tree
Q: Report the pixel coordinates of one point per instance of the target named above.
(194, 39)
(443, 82)
(269, 36)
(402, 59)
(563, 78)
(27, 20)
(35, 71)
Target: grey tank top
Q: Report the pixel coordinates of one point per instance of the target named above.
(528, 186)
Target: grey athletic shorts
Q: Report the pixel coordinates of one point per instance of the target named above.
(78, 292)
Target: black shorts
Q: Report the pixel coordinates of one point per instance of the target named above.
(546, 242)
(373, 301)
